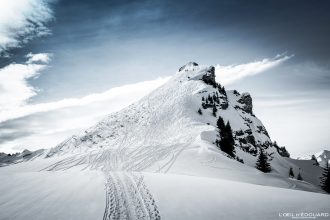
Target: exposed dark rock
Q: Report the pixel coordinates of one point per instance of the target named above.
(224, 105)
(209, 77)
(239, 133)
(190, 64)
(242, 140)
(246, 100)
(281, 150)
(248, 131)
(236, 93)
(250, 139)
(263, 130)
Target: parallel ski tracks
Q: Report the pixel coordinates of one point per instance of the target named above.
(127, 197)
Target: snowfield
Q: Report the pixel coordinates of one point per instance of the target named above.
(157, 159)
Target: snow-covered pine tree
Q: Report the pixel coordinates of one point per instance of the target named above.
(325, 179)
(262, 163)
(291, 174)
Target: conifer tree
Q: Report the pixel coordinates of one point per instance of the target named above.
(325, 179)
(227, 141)
(291, 174)
(220, 124)
(210, 99)
(214, 111)
(230, 134)
(200, 111)
(262, 162)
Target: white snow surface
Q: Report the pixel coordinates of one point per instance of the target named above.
(156, 159)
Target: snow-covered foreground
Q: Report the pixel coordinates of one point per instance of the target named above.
(225, 192)
(188, 197)
(52, 195)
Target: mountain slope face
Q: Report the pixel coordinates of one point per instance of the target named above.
(162, 124)
(164, 132)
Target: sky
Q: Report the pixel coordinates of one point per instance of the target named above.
(65, 64)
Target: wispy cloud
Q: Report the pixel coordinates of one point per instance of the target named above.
(38, 58)
(230, 74)
(129, 93)
(20, 21)
(49, 123)
(14, 86)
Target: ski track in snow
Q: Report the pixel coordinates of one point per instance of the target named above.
(125, 159)
(127, 197)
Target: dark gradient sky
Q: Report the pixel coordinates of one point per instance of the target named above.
(97, 45)
(155, 37)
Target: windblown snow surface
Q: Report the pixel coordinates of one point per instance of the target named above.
(156, 159)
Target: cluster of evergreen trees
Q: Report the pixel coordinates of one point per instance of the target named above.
(291, 174)
(211, 101)
(226, 142)
(325, 179)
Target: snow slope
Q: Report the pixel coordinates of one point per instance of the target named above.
(157, 151)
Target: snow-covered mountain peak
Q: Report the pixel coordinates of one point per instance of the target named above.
(323, 157)
(172, 118)
(189, 66)
(194, 71)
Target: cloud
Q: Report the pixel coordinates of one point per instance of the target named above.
(49, 123)
(21, 21)
(15, 90)
(230, 74)
(129, 93)
(36, 58)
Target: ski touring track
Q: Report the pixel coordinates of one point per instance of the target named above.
(127, 197)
